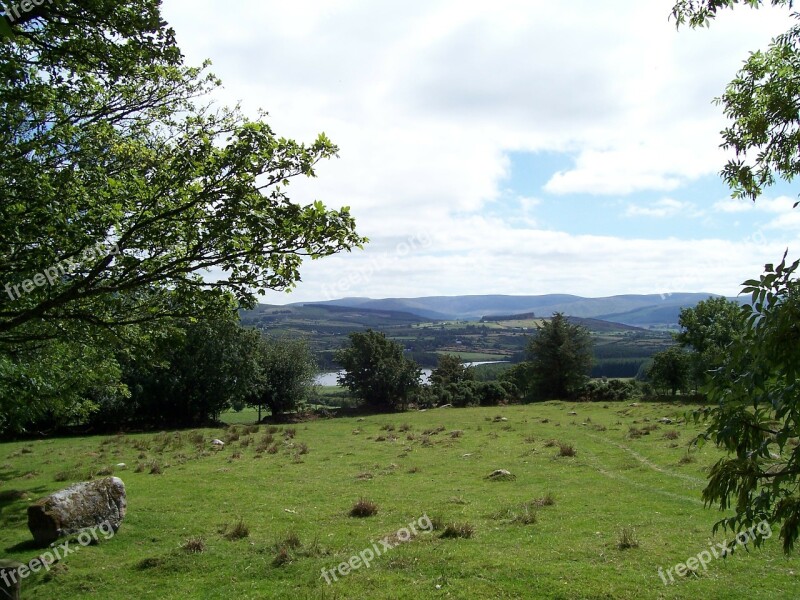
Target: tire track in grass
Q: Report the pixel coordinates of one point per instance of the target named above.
(595, 464)
(696, 482)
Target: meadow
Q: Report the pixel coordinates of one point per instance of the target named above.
(600, 497)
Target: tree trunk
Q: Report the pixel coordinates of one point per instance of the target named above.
(10, 580)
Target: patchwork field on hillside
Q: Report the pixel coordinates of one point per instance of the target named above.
(268, 514)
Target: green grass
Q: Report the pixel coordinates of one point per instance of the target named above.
(554, 530)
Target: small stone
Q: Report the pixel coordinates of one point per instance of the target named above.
(500, 474)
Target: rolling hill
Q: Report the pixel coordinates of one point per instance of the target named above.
(651, 310)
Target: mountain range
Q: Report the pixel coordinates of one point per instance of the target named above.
(649, 310)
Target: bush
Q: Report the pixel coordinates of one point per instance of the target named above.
(609, 390)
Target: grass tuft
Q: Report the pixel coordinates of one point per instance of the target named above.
(364, 508)
(627, 539)
(458, 530)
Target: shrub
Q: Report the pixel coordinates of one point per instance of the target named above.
(194, 545)
(609, 390)
(364, 508)
(566, 450)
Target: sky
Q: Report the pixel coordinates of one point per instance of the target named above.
(518, 147)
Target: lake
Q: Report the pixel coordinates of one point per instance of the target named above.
(329, 378)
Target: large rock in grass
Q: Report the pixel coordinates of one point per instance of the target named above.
(81, 506)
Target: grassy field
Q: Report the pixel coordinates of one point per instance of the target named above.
(293, 487)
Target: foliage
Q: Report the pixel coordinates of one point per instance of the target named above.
(54, 385)
(758, 410)
(760, 102)
(189, 374)
(377, 372)
(287, 372)
(670, 370)
(608, 390)
(560, 359)
(708, 329)
(450, 370)
(119, 188)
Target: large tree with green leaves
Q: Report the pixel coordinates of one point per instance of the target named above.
(757, 412)
(377, 372)
(105, 143)
(707, 329)
(758, 406)
(760, 101)
(121, 187)
(670, 370)
(560, 359)
(287, 372)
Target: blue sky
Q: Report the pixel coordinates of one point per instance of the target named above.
(520, 147)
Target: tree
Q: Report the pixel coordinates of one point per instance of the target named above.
(376, 371)
(450, 370)
(758, 411)
(756, 388)
(560, 357)
(119, 189)
(761, 102)
(670, 370)
(288, 369)
(188, 375)
(708, 329)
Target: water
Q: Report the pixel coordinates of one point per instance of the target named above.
(329, 378)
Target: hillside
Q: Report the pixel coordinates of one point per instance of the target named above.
(650, 310)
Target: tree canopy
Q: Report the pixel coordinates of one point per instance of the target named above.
(128, 199)
(560, 359)
(757, 410)
(760, 101)
(377, 372)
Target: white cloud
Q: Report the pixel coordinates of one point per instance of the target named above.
(780, 204)
(481, 255)
(426, 100)
(666, 207)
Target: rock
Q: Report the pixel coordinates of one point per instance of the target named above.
(572, 412)
(665, 421)
(10, 579)
(78, 507)
(633, 404)
(501, 474)
(446, 406)
(122, 466)
(218, 443)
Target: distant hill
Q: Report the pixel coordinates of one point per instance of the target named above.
(635, 310)
(325, 317)
(601, 325)
(498, 318)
